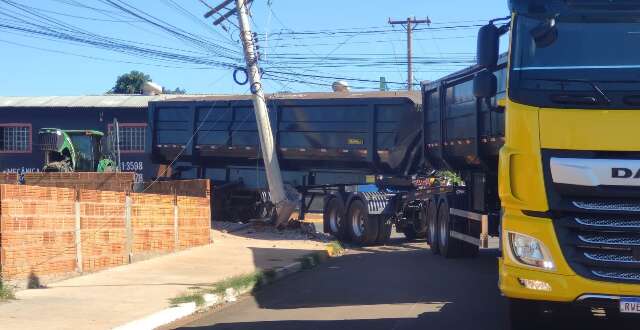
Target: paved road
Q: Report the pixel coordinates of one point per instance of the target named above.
(402, 286)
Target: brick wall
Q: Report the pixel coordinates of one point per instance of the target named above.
(121, 181)
(38, 228)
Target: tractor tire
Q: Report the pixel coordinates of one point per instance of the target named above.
(333, 219)
(363, 228)
(448, 246)
(384, 229)
(433, 237)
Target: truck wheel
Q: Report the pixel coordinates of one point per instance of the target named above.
(333, 218)
(432, 227)
(418, 228)
(384, 229)
(363, 228)
(523, 315)
(449, 248)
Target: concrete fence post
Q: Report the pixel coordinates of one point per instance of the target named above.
(176, 238)
(128, 227)
(78, 232)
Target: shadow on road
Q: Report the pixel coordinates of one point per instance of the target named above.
(400, 287)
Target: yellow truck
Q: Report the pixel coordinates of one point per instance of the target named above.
(569, 169)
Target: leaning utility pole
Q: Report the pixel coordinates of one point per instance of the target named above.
(284, 204)
(409, 24)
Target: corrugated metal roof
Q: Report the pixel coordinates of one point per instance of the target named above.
(97, 101)
(415, 96)
(142, 101)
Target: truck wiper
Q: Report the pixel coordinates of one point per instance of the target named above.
(591, 83)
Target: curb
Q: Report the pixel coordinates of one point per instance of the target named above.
(172, 314)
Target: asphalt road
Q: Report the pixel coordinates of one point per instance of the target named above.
(401, 286)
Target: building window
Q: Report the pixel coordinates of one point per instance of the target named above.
(132, 137)
(15, 138)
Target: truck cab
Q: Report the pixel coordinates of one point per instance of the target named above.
(568, 171)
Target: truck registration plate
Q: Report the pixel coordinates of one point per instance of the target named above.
(630, 305)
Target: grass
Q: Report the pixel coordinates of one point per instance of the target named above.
(6, 292)
(335, 248)
(187, 298)
(251, 282)
(242, 282)
(310, 261)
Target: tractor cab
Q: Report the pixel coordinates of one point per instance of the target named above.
(74, 151)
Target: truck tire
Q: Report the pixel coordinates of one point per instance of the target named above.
(333, 219)
(418, 228)
(363, 228)
(384, 229)
(449, 248)
(432, 227)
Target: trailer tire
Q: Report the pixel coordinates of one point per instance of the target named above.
(418, 227)
(334, 219)
(363, 228)
(384, 229)
(449, 248)
(432, 227)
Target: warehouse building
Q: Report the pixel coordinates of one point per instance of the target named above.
(22, 117)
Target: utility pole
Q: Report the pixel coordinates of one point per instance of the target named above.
(284, 204)
(409, 24)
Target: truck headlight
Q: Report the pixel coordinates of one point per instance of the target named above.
(530, 251)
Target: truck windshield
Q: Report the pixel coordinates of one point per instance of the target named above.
(581, 44)
(585, 63)
(84, 152)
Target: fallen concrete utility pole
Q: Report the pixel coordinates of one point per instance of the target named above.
(284, 200)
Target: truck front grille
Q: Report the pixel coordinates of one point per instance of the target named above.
(622, 206)
(602, 246)
(619, 276)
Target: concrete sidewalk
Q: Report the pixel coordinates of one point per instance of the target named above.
(120, 295)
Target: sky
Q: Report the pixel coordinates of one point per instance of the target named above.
(365, 48)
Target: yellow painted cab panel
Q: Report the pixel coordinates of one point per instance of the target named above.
(607, 130)
(520, 170)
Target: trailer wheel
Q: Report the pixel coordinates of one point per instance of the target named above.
(449, 248)
(363, 228)
(418, 227)
(432, 227)
(384, 229)
(333, 218)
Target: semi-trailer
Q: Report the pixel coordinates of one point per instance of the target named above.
(543, 138)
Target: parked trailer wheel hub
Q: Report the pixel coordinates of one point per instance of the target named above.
(358, 219)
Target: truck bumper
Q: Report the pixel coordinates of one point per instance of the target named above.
(558, 285)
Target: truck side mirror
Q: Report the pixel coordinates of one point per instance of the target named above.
(488, 46)
(485, 85)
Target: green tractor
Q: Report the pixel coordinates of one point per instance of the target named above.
(76, 151)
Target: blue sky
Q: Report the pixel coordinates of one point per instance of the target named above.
(76, 71)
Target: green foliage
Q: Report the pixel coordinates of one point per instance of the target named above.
(6, 292)
(187, 298)
(248, 281)
(448, 177)
(130, 83)
(177, 91)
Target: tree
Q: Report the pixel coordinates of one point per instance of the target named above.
(178, 90)
(130, 83)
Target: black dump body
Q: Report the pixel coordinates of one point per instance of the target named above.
(364, 133)
(461, 132)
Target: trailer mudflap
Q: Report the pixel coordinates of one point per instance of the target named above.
(378, 203)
